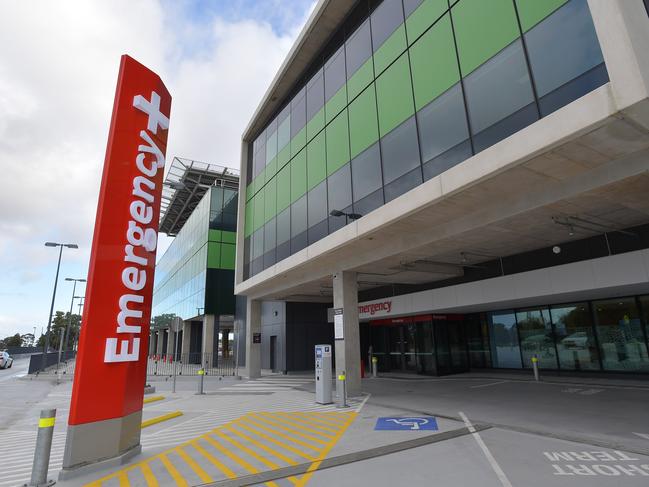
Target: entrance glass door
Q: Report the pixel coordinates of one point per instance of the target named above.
(450, 347)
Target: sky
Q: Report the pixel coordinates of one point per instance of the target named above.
(58, 72)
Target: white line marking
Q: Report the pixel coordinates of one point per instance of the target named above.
(494, 464)
(642, 435)
(490, 384)
(360, 406)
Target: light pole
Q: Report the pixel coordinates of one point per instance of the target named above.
(56, 279)
(348, 216)
(67, 328)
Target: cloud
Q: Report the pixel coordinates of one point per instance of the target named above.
(57, 80)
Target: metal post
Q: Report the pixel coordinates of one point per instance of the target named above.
(67, 329)
(375, 365)
(535, 367)
(58, 362)
(201, 375)
(43, 447)
(342, 399)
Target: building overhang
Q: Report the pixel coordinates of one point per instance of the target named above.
(186, 183)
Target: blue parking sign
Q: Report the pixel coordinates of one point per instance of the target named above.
(414, 423)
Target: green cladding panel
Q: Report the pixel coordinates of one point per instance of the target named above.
(483, 28)
(360, 79)
(270, 200)
(336, 104)
(337, 143)
(228, 253)
(283, 188)
(390, 50)
(531, 12)
(316, 162)
(363, 124)
(394, 95)
(298, 176)
(423, 17)
(434, 63)
(213, 255)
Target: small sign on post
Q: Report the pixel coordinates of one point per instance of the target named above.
(339, 333)
(256, 338)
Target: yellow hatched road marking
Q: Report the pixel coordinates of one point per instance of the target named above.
(244, 448)
(151, 481)
(123, 479)
(290, 430)
(215, 461)
(179, 479)
(273, 440)
(324, 420)
(310, 422)
(194, 466)
(257, 426)
(282, 435)
(315, 465)
(292, 423)
(261, 446)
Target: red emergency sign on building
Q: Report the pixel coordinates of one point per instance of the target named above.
(111, 364)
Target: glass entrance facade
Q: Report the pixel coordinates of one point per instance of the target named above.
(605, 335)
(427, 344)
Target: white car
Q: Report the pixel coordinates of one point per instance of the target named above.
(5, 360)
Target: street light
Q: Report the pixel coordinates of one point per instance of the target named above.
(67, 328)
(348, 216)
(56, 279)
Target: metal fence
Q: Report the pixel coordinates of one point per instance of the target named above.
(190, 364)
(65, 367)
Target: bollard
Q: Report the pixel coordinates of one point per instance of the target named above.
(375, 365)
(201, 374)
(342, 396)
(43, 447)
(535, 367)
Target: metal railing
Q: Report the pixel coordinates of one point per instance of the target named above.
(65, 367)
(190, 364)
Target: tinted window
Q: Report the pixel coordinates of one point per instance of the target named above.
(283, 128)
(574, 337)
(340, 189)
(269, 235)
(298, 113)
(411, 5)
(498, 88)
(358, 48)
(537, 339)
(385, 20)
(621, 338)
(402, 184)
(400, 151)
(284, 226)
(334, 73)
(369, 203)
(317, 204)
(314, 95)
(563, 47)
(258, 243)
(442, 124)
(505, 352)
(366, 172)
(298, 217)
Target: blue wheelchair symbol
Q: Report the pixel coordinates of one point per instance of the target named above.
(409, 424)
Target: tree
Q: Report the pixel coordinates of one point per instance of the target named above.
(12, 341)
(59, 323)
(27, 339)
(163, 320)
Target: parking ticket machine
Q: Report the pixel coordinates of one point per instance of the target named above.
(323, 374)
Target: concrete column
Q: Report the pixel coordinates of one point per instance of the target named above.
(152, 337)
(170, 342)
(225, 341)
(348, 350)
(253, 350)
(159, 339)
(187, 335)
(208, 349)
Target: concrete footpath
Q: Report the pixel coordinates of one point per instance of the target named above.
(495, 430)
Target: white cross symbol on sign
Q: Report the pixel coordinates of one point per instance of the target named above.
(152, 109)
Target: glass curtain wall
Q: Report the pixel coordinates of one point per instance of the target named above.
(405, 91)
(609, 335)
